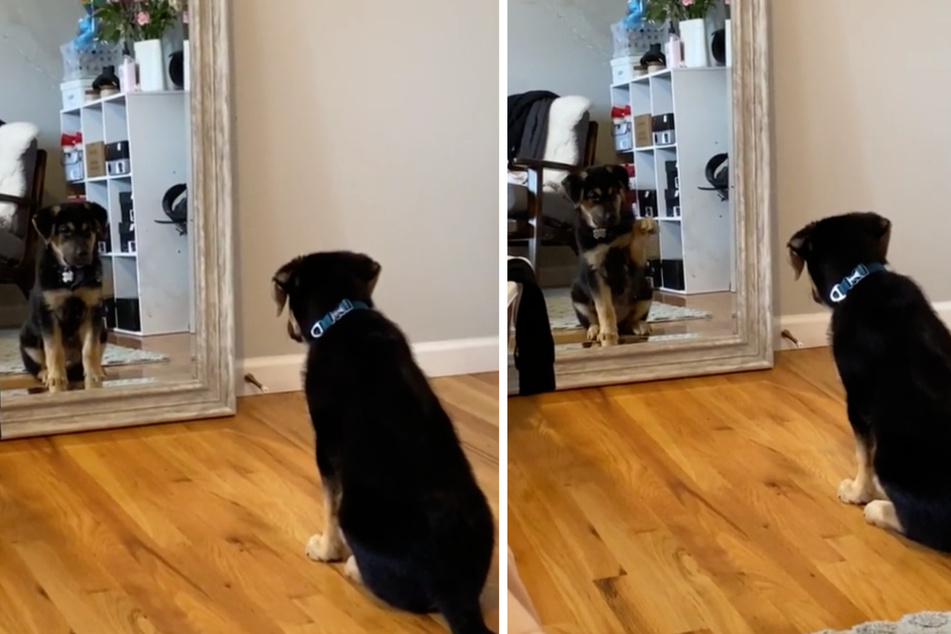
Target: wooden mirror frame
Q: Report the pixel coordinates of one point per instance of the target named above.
(751, 346)
(211, 392)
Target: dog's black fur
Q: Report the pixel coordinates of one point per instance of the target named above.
(612, 259)
(893, 355)
(407, 503)
(63, 336)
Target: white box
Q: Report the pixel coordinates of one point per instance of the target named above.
(74, 93)
(622, 69)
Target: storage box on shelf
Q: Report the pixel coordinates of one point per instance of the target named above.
(131, 160)
(681, 118)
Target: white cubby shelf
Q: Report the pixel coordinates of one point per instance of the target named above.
(147, 265)
(696, 236)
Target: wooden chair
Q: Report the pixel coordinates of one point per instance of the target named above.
(23, 271)
(533, 228)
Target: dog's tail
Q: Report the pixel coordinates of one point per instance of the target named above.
(464, 615)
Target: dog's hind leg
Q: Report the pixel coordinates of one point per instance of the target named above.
(636, 322)
(882, 513)
(463, 614)
(584, 311)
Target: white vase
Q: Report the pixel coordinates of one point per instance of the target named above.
(728, 36)
(693, 33)
(148, 55)
(187, 65)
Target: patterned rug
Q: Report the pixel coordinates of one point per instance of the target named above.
(561, 314)
(10, 362)
(918, 623)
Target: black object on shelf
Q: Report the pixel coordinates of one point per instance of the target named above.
(662, 129)
(107, 79)
(127, 314)
(653, 267)
(125, 207)
(647, 203)
(718, 46)
(672, 199)
(176, 68)
(109, 308)
(672, 274)
(673, 182)
(654, 55)
(117, 150)
(175, 206)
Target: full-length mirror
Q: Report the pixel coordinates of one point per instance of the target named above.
(626, 197)
(101, 245)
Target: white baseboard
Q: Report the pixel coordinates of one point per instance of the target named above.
(811, 329)
(436, 358)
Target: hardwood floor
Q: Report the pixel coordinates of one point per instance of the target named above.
(197, 528)
(704, 506)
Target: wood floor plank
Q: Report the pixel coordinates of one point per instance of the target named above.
(197, 527)
(716, 496)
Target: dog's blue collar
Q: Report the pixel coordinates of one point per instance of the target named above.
(324, 323)
(859, 273)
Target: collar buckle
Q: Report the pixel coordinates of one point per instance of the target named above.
(324, 323)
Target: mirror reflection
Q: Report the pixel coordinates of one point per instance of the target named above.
(96, 253)
(619, 185)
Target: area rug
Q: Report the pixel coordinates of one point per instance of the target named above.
(113, 355)
(561, 314)
(918, 623)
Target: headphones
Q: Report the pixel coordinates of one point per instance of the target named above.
(175, 205)
(718, 175)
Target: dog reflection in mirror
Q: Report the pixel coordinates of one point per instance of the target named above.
(399, 494)
(612, 291)
(893, 354)
(63, 337)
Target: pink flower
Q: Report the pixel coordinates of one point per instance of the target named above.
(687, 3)
(142, 18)
(184, 17)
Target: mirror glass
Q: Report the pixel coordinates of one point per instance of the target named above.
(636, 244)
(96, 249)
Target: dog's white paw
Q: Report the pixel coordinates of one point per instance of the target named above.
(55, 382)
(593, 331)
(351, 570)
(642, 328)
(851, 493)
(320, 549)
(881, 513)
(608, 338)
(94, 379)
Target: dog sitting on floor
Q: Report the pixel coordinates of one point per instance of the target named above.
(63, 337)
(893, 354)
(612, 291)
(399, 493)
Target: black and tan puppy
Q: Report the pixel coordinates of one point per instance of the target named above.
(399, 493)
(612, 290)
(62, 339)
(893, 354)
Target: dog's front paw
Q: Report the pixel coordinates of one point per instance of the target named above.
(593, 331)
(321, 549)
(94, 379)
(851, 492)
(352, 571)
(642, 328)
(55, 382)
(608, 338)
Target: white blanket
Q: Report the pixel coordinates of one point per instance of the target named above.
(15, 139)
(561, 145)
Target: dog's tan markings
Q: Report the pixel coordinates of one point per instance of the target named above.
(595, 257)
(351, 570)
(607, 318)
(639, 325)
(55, 359)
(330, 545)
(643, 229)
(91, 354)
(55, 299)
(882, 513)
(861, 489)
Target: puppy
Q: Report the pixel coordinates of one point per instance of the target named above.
(612, 290)
(893, 354)
(399, 493)
(62, 339)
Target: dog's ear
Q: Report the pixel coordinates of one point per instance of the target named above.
(799, 247)
(99, 215)
(879, 228)
(283, 282)
(45, 221)
(620, 173)
(368, 270)
(573, 186)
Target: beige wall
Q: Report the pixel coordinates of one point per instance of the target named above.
(370, 126)
(862, 123)
(565, 46)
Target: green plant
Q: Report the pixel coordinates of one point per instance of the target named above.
(134, 20)
(661, 11)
